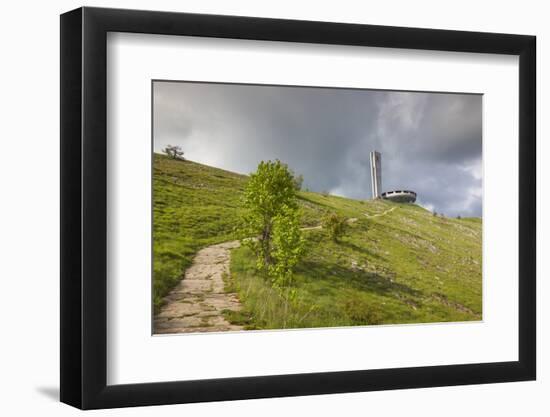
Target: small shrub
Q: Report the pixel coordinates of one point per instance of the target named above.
(335, 226)
(361, 312)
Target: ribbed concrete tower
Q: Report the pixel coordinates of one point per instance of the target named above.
(376, 173)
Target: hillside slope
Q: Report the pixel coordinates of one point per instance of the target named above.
(193, 206)
(396, 264)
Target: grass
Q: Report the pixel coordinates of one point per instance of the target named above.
(407, 266)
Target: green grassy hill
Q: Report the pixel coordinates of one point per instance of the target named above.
(404, 266)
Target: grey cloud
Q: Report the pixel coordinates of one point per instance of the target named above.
(430, 142)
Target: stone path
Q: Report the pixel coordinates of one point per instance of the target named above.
(197, 302)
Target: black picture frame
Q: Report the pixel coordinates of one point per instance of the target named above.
(84, 207)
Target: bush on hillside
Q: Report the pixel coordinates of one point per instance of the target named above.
(335, 226)
(361, 312)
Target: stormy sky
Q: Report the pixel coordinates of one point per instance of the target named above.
(430, 142)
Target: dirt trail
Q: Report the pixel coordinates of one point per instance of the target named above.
(380, 214)
(349, 221)
(312, 228)
(197, 302)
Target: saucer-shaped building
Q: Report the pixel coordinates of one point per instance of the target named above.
(398, 196)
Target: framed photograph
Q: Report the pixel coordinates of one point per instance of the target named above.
(257, 208)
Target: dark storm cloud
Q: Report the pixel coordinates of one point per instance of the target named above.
(430, 143)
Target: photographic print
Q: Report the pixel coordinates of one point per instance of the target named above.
(286, 207)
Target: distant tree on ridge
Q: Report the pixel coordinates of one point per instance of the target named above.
(174, 152)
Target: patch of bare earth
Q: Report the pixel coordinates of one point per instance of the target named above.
(197, 303)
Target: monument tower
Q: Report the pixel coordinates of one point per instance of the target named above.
(376, 173)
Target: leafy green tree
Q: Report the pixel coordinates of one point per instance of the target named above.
(288, 245)
(173, 152)
(269, 193)
(335, 226)
(288, 248)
